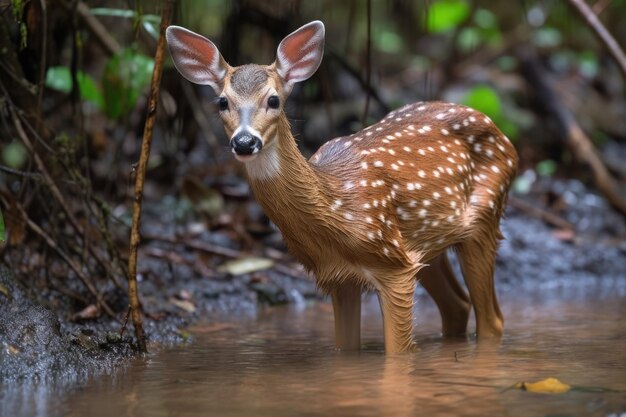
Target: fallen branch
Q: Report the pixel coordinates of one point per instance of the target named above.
(135, 238)
(576, 139)
(605, 37)
(540, 213)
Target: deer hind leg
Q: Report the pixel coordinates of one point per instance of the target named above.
(396, 305)
(453, 302)
(477, 257)
(347, 310)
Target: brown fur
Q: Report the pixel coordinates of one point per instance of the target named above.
(377, 209)
(339, 250)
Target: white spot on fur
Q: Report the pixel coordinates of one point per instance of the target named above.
(336, 204)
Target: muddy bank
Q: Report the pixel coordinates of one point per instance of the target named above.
(42, 337)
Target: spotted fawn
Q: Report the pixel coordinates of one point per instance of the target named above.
(374, 210)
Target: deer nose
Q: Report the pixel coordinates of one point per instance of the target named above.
(244, 143)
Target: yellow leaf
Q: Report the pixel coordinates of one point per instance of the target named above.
(546, 386)
(245, 265)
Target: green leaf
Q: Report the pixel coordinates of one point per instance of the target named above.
(106, 11)
(546, 167)
(125, 77)
(484, 99)
(151, 28)
(444, 15)
(388, 41)
(60, 79)
(547, 37)
(14, 155)
(469, 39)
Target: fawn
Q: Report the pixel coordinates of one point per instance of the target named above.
(374, 210)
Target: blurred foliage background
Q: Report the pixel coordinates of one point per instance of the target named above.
(73, 84)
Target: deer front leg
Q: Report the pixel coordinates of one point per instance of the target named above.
(347, 309)
(396, 305)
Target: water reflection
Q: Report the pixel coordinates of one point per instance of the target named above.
(283, 364)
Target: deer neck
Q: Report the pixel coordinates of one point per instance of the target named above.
(294, 195)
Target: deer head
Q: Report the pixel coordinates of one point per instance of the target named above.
(250, 97)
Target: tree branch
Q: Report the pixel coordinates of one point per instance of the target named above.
(575, 138)
(605, 37)
(135, 238)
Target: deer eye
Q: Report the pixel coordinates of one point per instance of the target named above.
(273, 102)
(222, 103)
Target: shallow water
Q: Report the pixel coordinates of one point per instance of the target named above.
(282, 363)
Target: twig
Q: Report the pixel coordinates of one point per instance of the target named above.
(576, 139)
(174, 258)
(605, 37)
(540, 213)
(135, 238)
(355, 74)
(41, 166)
(101, 33)
(54, 189)
(18, 173)
(70, 262)
(202, 246)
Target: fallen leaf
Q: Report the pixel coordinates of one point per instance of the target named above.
(546, 386)
(4, 290)
(188, 306)
(564, 235)
(88, 313)
(246, 265)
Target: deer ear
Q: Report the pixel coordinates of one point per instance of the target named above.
(196, 57)
(300, 54)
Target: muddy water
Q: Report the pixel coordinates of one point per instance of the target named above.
(281, 363)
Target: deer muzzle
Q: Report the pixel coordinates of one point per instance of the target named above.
(245, 145)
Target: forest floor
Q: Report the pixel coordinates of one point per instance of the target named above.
(189, 281)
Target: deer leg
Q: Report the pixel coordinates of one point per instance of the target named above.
(477, 258)
(347, 310)
(453, 302)
(396, 304)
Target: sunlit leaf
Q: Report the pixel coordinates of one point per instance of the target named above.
(444, 15)
(546, 168)
(546, 386)
(485, 19)
(468, 39)
(588, 63)
(89, 91)
(106, 11)
(125, 77)
(484, 99)
(388, 41)
(60, 79)
(151, 28)
(547, 37)
(245, 265)
(14, 155)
